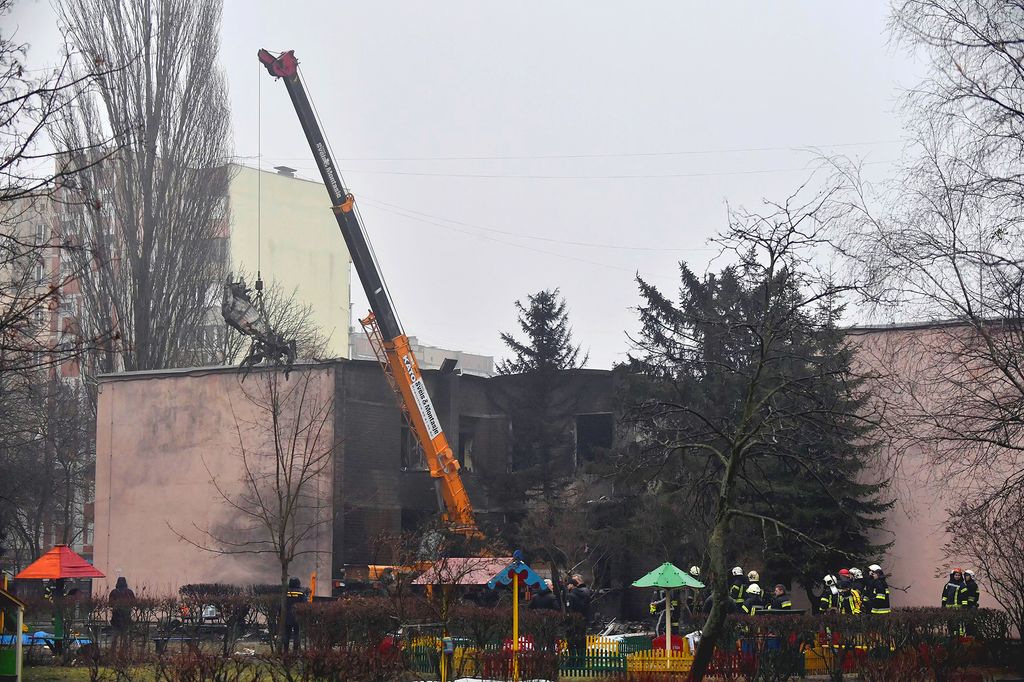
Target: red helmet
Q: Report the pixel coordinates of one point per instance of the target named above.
(844, 573)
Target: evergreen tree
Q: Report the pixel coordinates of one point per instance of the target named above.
(537, 405)
(742, 397)
(548, 345)
(540, 410)
(836, 501)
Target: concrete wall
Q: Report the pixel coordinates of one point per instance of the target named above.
(165, 442)
(905, 360)
(301, 247)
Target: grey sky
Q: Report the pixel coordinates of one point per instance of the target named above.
(403, 87)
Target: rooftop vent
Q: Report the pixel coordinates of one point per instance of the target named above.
(285, 171)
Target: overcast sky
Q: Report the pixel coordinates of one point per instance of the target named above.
(497, 149)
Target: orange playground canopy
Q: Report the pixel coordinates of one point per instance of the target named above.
(59, 562)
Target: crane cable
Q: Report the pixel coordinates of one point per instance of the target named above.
(358, 214)
(259, 191)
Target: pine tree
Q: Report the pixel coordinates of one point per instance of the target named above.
(741, 397)
(548, 345)
(540, 411)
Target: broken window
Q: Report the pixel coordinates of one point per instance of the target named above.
(467, 434)
(593, 435)
(412, 456)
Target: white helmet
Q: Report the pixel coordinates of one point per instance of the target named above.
(829, 579)
(857, 573)
(737, 570)
(875, 567)
(694, 570)
(969, 572)
(753, 576)
(754, 589)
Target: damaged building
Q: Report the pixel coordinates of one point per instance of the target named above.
(170, 447)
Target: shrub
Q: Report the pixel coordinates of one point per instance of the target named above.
(360, 620)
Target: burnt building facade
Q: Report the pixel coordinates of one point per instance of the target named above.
(165, 438)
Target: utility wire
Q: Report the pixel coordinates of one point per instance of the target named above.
(567, 242)
(637, 176)
(521, 246)
(612, 155)
(624, 176)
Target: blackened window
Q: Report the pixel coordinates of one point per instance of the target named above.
(412, 454)
(593, 435)
(467, 435)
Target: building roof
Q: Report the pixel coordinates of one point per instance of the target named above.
(463, 571)
(212, 369)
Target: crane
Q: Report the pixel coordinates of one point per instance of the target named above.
(381, 325)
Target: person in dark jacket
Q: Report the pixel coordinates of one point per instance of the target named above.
(121, 599)
(971, 590)
(754, 601)
(546, 599)
(849, 600)
(878, 589)
(954, 594)
(577, 603)
(295, 596)
(830, 600)
(780, 601)
(737, 586)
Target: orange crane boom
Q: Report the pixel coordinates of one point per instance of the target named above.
(382, 327)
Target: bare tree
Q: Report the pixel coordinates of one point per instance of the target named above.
(149, 229)
(286, 448)
(744, 377)
(943, 242)
(992, 538)
(49, 452)
(32, 170)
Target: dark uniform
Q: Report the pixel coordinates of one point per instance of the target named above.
(970, 592)
(780, 602)
(291, 622)
(849, 602)
(830, 599)
(753, 603)
(737, 586)
(954, 594)
(879, 591)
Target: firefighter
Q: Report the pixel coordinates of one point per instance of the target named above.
(780, 600)
(694, 600)
(878, 589)
(736, 586)
(295, 596)
(970, 590)
(830, 600)
(849, 600)
(658, 606)
(754, 601)
(857, 586)
(954, 594)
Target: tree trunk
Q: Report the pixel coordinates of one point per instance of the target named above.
(282, 616)
(715, 625)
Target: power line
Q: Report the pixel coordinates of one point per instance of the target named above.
(610, 155)
(519, 246)
(619, 247)
(621, 176)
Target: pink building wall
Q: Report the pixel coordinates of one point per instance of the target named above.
(907, 371)
(156, 430)
(162, 439)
